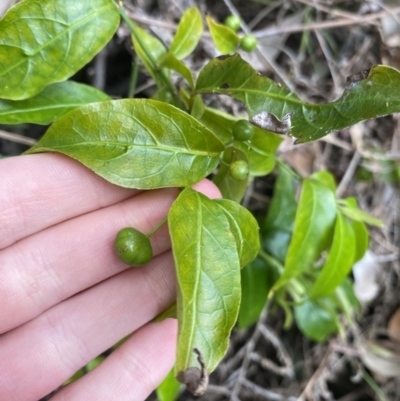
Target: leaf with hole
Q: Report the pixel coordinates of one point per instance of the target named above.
(47, 41)
(52, 103)
(135, 143)
(368, 94)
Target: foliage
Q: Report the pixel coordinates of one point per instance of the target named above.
(308, 243)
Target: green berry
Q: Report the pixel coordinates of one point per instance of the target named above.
(248, 43)
(233, 22)
(239, 170)
(243, 130)
(132, 247)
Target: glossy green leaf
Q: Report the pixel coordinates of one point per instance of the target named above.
(257, 280)
(339, 261)
(362, 239)
(278, 225)
(316, 320)
(188, 34)
(53, 102)
(169, 388)
(346, 299)
(145, 42)
(260, 151)
(208, 274)
(47, 41)
(197, 107)
(315, 218)
(360, 230)
(368, 94)
(219, 123)
(244, 228)
(356, 214)
(171, 62)
(135, 143)
(226, 41)
(230, 188)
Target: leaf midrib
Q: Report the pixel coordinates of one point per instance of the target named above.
(119, 144)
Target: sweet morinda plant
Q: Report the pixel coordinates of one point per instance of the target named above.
(227, 264)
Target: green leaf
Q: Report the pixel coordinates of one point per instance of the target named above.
(208, 274)
(225, 40)
(135, 143)
(260, 151)
(257, 280)
(339, 261)
(168, 313)
(219, 123)
(359, 228)
(53, 102)
(315, 320)
(244, 228)
(95, 362)
(346, 299)
(368, 94)
(157, 52)
(171, 62)
(230, 188)
(315, 218)
(362, 239)
(278, 225)
(188, 34)
(47, 41)
(353, 212)
(197, 107)
(169, 389)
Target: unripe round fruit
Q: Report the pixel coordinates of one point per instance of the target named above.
(233, 22)
(239, 170)
(243, 130)
(132, 247)
(248, 43)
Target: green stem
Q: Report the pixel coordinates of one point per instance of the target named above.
(157, 227)
(134, 77)
(137, 37)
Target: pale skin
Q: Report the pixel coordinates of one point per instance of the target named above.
(65, 297)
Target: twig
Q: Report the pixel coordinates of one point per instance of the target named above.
(367, 19)
(267, 394)
(316, 375)
(282, 354)
(17, 138)
(273, 367)
(249, 349)
(355, 161)
(218, 390)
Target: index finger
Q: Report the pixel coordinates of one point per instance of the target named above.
(38, 191)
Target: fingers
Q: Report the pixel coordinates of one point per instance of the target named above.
(52, 265)
(40, 355)
(132, 371)
(38, 191)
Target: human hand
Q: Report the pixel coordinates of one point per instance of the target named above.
(65, 297)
